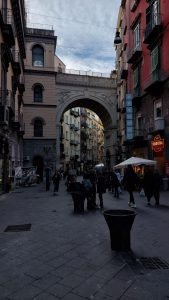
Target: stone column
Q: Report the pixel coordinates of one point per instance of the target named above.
(58, 128)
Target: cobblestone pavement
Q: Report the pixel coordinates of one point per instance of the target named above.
(68, 256)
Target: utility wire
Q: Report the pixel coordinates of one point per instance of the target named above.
(70, 20)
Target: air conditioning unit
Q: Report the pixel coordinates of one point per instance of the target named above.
(26, 158)
(4, 115)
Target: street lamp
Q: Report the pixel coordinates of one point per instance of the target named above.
(117, 39)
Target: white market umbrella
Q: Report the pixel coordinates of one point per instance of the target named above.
(135, 161)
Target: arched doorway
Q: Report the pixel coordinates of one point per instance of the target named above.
(106, 111)
(39, 164)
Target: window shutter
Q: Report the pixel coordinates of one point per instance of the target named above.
(136, 79)
(155, 58)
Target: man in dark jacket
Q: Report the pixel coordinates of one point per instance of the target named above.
(130, 179)
(101, 187)
(148, 184)
(156, 186)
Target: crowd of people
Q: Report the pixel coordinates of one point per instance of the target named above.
(99, 181)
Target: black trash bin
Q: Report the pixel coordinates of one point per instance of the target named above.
(119, 222)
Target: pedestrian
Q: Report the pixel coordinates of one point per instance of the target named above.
(48, 177)
(92, 177)
(117, 172)
(148, 184)
(101, 188)
(56, 180)
(116, 184)
(157, 181)
(87, 187)
(130, 179)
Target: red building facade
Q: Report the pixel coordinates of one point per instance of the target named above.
(144, 29)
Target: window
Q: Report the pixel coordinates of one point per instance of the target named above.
(38, 93)
(157, 109)
(152, 14)
(136, 77)
(155, 58)
(37, 56)
(139, 125)
(155, 63)
(38, 128)
(136, 36)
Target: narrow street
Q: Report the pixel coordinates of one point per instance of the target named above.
(67, 256)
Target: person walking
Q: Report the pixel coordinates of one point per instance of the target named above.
(148, 184)
(87, 187)
(157, 181)
(116, 184)
(130, 179)
(48, 177)
(101, 188)
(56, 180)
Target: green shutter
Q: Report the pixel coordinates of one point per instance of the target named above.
(155, 58)
(135, 77)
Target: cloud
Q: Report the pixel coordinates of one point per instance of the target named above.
(85, 30)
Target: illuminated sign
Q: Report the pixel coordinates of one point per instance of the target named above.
(157, 144)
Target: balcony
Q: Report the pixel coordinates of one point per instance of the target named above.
(138, 138)
(73, 142)
(124, 71)
(154, 82)
(74, 113)
(72, 126)
(21, 84)
(136, 101)
(16, 62)
(15, 125)
(10, 102)
(76, 128)
(21, 130)
(153, 28)
(159, 124)
(8, 27)
(135, 54)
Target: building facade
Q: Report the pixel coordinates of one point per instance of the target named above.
(41, 66)
(142, 61)
(12, 86)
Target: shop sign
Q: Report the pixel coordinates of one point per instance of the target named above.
(157, 144)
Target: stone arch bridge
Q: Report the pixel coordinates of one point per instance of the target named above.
(95, 93)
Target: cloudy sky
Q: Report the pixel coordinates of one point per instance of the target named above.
(85, 30)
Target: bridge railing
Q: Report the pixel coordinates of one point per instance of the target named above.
(87, 73)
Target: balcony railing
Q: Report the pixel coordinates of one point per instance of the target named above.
(155, 80)
(16, 61)
(152, 28)
(73, 142)
(74, 113)
(138, 133)
(135, 53)
(124, 71)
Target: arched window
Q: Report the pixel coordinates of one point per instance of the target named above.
(37, 56)
(38, 128)
(38, 93)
